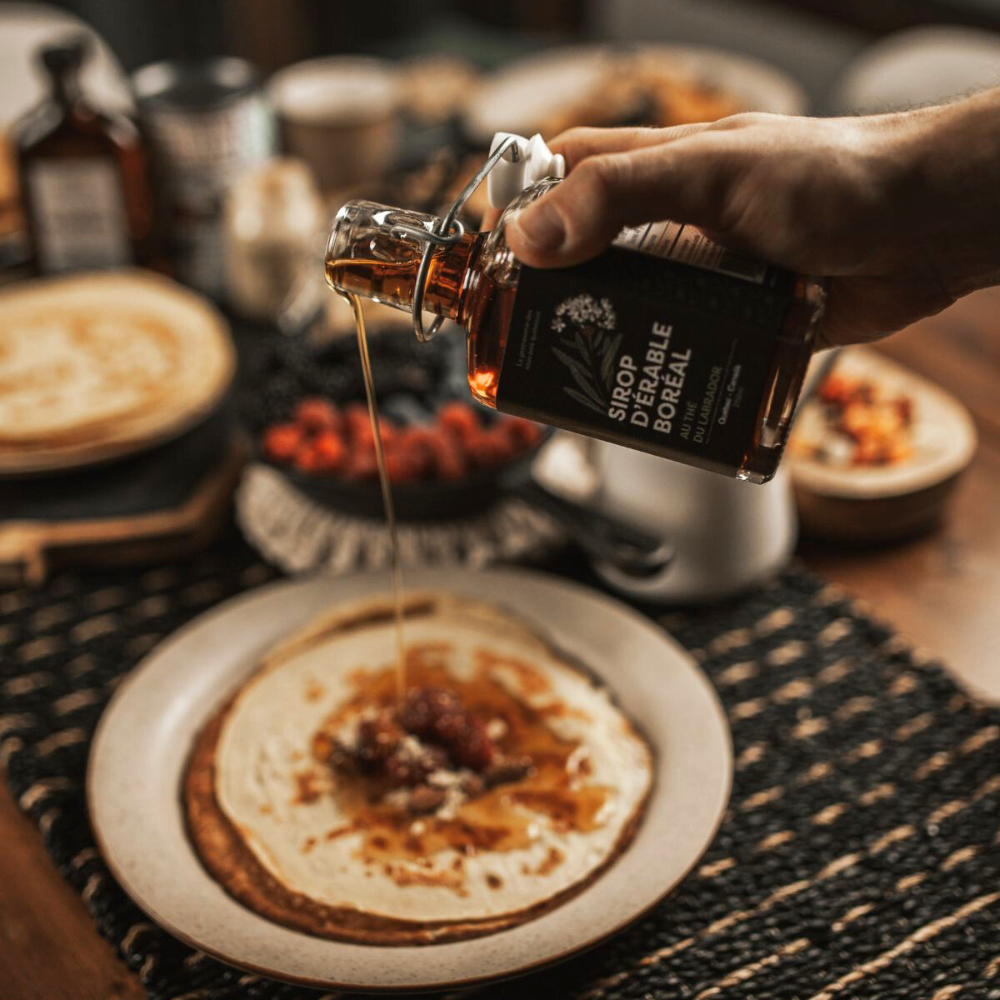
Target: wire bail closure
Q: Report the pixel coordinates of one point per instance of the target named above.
(447, 232)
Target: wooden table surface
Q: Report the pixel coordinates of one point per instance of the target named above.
(942, 590)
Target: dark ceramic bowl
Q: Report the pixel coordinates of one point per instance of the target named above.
(420, 501)
(412, 381)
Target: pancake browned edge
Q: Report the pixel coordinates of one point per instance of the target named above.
(231, 863)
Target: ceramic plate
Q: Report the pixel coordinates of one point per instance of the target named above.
(918, 66)
(943, 436)
(525, 93)
(143, 740)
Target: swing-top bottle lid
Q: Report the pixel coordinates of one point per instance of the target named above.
(524, 163)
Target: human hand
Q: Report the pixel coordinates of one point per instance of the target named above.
(900, 212)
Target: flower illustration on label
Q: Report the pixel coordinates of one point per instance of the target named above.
(587, 346)
(585, 312)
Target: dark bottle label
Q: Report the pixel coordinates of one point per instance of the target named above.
(79, 213)
(646, 352)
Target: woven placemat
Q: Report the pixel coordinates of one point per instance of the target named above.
(859, 857)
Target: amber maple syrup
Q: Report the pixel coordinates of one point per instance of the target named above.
(486, 315)
(395, 563)
(553, 788)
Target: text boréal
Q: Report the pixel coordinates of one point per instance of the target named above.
(647, 393)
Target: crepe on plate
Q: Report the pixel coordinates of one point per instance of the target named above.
(308, 845)
(99, 365)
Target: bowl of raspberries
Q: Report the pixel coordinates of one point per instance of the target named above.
(446, 455)
(457, 460)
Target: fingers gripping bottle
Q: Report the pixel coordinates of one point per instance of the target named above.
(665, 342)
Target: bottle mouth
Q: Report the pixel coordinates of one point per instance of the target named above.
(338, 246)
(367, 243)
(370, 230)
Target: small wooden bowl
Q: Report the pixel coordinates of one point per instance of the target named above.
(879, 504)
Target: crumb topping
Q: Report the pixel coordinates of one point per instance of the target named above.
(428, 756)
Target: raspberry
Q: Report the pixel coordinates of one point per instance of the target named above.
(473, 748)
(281, 442)
(389, 432)
(436, 715)
(836, 390)
(400, 468)
(330, 450)
(378, 738)
(449, 727)
(316, 414)
(422, 708)
(414, 441)
(449, 461)
(307, 458)
(359, 427)
(458, 419)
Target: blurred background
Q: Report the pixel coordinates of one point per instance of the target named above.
(211, 142)
(813, 39)
(443, 74)
(447, 72)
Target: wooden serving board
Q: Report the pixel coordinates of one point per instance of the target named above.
(165, 502)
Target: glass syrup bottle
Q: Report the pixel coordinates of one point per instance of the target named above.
(83, 173)
(665, 342)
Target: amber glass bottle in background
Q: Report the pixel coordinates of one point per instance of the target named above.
(84, 178)
(666, 342)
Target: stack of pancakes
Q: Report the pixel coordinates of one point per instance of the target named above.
(97, 366)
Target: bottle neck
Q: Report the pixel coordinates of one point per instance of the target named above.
(366, 256)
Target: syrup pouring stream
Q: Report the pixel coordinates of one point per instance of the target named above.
(396, 568)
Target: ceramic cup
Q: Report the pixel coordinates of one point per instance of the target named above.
(341, 114)
(727, 535)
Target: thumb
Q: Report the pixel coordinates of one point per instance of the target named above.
(687, 180)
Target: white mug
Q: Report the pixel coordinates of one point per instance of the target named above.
(727, 535)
